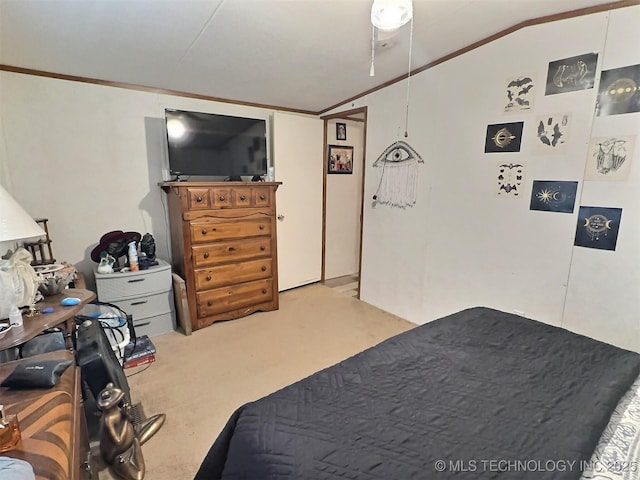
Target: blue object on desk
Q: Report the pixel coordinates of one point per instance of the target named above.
(47, 310)
(70, 301)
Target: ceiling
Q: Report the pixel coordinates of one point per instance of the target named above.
(306, 55)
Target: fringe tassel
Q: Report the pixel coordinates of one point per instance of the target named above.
(399, 184)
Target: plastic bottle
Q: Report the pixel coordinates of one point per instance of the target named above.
(133, 257)
(271, 174)
(15, 316)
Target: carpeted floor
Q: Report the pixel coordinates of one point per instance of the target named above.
(199, 380)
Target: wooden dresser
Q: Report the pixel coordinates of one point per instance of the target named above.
(54, 430)
(223, 243)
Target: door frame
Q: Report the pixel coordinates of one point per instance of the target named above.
(361, 114)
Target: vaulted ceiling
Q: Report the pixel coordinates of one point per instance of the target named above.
(306, 55)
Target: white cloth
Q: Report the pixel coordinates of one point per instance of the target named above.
(15, 469)
(18, 282)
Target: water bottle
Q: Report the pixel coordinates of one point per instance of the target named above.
(15, 316)
(133, 257)
(271, 174)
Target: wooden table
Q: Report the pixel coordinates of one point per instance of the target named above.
(52, 423)
(61, 316)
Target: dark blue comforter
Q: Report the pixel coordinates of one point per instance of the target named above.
(478, 394)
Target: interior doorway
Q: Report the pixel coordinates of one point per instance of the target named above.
(343, 191)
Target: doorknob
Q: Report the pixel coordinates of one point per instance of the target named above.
(281, 217)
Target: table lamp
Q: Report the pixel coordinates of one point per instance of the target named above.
(15, 222)
(16, 282)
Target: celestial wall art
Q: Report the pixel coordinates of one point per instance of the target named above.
(552, 133)
(510, 179)
(503, 137)
(609, 158)
(571, 74)
(619, 91)
(520, 94)
(553, 196)
(598, 227)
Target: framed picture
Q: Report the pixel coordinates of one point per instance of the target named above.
(340, 159)
(341, 131)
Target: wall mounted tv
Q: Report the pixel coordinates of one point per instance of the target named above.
(212, 145)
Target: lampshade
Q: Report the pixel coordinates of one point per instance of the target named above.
(15, 222)
(391, 14)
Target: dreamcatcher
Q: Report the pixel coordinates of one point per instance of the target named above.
(398, 185)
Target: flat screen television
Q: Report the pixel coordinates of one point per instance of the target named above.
(212, 145)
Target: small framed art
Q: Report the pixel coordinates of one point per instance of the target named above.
(340, 159)
(341, 131)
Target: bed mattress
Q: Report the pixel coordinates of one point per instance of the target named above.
(478, 394)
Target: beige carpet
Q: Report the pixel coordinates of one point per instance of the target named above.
(199, 380)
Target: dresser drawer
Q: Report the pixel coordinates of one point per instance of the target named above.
(261, 197)
(122, 286)
(224, 299)
(198, 198)
(241, 197)
(233, 273)
(148, 305)
(232, 250)
(221, 197)
(212, 231)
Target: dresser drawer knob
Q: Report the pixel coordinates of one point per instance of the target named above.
(208, 278)
(231, 249)
(136, 280)
(141, 302)
(198, 199)
(221, 198)
(264, 268)
(204, 231)
(261, 227)
(209, 303)
(264, 291)
(243, 198)
(263, 248)
(206, 255)
(262, 197)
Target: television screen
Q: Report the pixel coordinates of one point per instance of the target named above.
(207, 144)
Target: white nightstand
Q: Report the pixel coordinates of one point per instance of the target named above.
(145, 294)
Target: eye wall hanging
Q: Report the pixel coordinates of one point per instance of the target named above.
(398, 186)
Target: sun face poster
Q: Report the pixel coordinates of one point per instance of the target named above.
(598, 227)
(609, 158)
(553, 196)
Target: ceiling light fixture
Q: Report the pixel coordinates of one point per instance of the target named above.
(391, 14)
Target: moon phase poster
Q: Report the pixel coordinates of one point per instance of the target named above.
(619, 91)
(503, 137)
(553, 196)
(598, 227)
(571, 74)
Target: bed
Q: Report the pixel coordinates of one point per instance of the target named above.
(477, 394)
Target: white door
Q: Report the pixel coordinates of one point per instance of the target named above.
(298, 161)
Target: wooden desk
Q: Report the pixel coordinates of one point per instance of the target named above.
(52, 423)
(61, 315)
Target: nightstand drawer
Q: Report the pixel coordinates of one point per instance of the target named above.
(233, 273)
(153, 326)
(148, 305)
(126, 285)
(202, 232)
(229, 298)
(233, 250)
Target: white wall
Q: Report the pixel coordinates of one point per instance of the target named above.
(344, 192)
(461, 245)
(89, 158)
